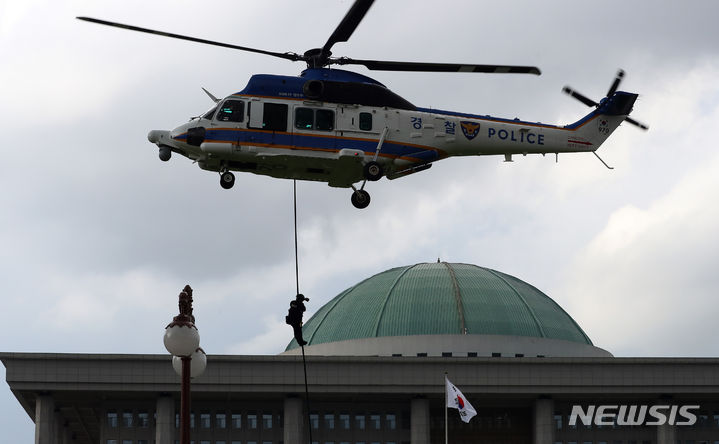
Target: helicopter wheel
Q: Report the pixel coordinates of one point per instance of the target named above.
(360, 199)
(373, 171)
(227, 180)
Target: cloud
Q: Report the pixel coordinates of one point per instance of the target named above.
(647, 283)
(272, 340)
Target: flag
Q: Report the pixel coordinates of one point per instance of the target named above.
(456, 400)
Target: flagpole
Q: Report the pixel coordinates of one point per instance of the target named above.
(446, 407)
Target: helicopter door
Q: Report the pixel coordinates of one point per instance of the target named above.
(272, 119)
(255, 112)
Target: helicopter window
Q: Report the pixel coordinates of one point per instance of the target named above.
(232, 111)
(365, 121)
(274, 117)
(304, 118)
(318, 119)
(325, 120)
(208, 115)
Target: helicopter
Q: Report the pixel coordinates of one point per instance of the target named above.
(345, 128)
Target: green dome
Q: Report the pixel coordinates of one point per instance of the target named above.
(440, 299)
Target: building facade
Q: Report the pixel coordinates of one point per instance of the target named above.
(376, 361)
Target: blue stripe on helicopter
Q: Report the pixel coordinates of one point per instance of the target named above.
(315, 142)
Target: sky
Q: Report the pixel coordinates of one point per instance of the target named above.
(98, 236)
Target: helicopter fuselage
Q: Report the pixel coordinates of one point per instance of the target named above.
(341, 127)
(327, 124)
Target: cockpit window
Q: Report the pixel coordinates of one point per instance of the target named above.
(231, 111)
(209, 114)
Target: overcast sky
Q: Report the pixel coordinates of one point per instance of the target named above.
(98, 236)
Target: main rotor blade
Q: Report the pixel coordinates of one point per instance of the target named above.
(585, 100)
(639, 124)
(348, 24)
(288, 56)
(385, 65)
(615, 84)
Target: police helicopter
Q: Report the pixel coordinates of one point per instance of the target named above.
(344, 128)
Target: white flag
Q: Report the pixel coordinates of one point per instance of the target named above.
(456, 400)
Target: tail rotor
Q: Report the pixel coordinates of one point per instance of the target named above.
(610, 94)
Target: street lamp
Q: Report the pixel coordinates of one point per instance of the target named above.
(182, 340)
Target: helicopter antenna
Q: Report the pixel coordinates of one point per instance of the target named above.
(214, 99)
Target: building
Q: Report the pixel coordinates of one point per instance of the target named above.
(376, 361)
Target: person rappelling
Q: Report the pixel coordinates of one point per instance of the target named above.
(294, 317)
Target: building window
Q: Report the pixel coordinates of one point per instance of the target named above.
(192, 420)
(235, 442)
(204, 441)
(365, 121)
(126, 441)
(329, 422)
(141, 441)
(359, 422)
(220, 442)
(374, 421)
(252, 421)
(344, 420)
(112, 419)
(558, 422)
(315, 420)
(220, 420)
(267, 421)
(127, 418)
(236, 421)
(143, 420)
(205, 420)
(111, 441)
(391, 421)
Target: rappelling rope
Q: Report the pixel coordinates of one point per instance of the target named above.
(297, 261)
(297, 282)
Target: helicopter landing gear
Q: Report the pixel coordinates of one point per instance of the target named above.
(373, 171)
(360, 198)
(227, 180)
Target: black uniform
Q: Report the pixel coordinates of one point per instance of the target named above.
(294, 317)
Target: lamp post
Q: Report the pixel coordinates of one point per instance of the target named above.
(182, 340)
